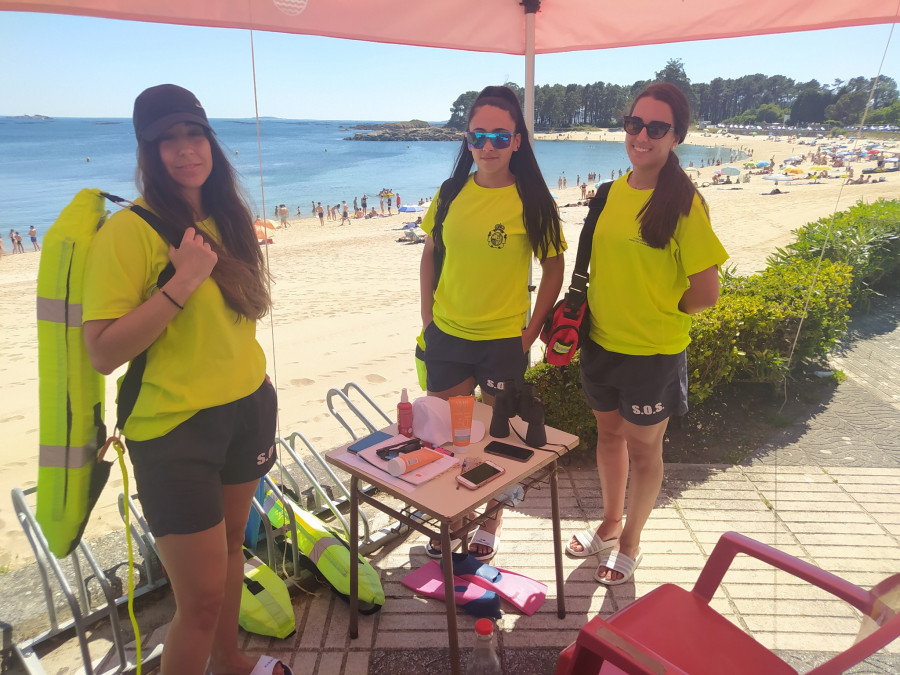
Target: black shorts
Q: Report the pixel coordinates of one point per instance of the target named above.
(180, 476)
(450, 360)
(644, 389)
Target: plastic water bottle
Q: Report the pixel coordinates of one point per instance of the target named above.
(484, 660)
(512, 495)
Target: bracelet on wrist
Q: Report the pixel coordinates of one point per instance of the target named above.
(171, 299)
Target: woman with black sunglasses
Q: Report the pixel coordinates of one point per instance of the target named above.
(654, 262)
(483, 229)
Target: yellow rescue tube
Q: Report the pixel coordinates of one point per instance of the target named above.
(72, 405)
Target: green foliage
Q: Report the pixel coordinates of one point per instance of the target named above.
(866, 237)
(750, 333)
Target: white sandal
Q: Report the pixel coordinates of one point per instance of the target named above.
(621, 563)
(591, 544)
(485, 539)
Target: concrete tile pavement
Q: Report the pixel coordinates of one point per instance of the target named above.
(828, 493)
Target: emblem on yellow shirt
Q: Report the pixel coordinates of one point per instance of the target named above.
(497, 237)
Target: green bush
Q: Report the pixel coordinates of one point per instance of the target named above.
(750, 333)
(866, 237)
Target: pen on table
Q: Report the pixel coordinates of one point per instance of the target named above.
(462, 470)
(443, 451)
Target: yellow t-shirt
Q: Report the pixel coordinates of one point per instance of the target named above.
(634, 289)
(203, 358)
(482, 293)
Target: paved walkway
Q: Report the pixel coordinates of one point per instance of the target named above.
(828, 492)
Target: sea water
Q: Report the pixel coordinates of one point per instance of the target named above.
(44, 163)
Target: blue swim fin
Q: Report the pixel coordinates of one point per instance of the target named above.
(472, 598)
(523, 592)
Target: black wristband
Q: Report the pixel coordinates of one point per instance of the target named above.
(171, 299)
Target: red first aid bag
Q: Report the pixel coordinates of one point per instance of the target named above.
(566, 326)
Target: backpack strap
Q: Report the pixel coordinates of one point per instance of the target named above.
(131, 383)
(577, 292)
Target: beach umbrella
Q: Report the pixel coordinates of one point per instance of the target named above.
(763, 163)
(792, 159)
(408, 208)
(749, 165)
(819, 167)
(796, 170)
(731, 171)
(259, 223)
(891, 159)
(779, 177)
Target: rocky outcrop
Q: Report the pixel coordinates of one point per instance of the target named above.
(414, 130)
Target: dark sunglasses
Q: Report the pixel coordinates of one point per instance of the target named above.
(655, 130)
(401, 448)
(499, 139)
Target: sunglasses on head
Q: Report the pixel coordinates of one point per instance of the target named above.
(499, 139)
(655, 130)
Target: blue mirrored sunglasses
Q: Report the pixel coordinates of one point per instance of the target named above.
(499, 139)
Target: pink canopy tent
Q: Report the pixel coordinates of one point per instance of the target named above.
(501, 26)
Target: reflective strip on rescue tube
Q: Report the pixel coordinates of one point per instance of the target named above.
(71, 391)
(265, 602)
(327, 549)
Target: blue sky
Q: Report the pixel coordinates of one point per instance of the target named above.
(66, 66)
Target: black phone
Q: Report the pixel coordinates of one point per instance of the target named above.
(510, 451)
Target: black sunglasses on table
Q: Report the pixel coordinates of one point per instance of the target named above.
(655, 130)
(391, 451)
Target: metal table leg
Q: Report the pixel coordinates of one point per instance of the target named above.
(354, 557)
(557, 543)
(450, 598)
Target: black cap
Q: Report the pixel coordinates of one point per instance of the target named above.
(159, 107)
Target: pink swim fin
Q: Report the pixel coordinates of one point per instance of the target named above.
(523, 592)
(470, 597)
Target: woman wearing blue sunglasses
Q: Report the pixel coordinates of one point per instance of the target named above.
(483, 229)
(654, 262)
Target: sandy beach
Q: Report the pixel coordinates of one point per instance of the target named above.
(347, 309)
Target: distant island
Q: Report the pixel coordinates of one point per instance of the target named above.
(30, 117)
(414, 130)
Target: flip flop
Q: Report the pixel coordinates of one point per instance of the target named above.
(591, 544)
(266, 665)
(618, 562)
(485, 539)
(436, 553)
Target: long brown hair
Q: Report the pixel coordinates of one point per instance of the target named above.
(674, 192)
(240, 272)
(539, 209)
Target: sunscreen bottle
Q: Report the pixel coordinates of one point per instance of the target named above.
(405, 415)
(408, 461)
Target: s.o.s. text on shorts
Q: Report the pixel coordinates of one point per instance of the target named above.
(644, 389)
(180, 476)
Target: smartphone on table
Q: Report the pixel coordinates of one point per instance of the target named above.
(515, 452)
(478, 475)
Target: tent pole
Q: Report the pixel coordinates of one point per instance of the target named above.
(529, 72)
(531, 7)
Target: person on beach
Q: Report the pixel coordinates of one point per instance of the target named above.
(32, 233)
(345, 213)
(19, 247)
(202, 430)
(485, 226)
(319, 211)
(12, 241)
(654, 261)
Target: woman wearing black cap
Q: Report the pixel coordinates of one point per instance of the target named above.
(202, 430)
